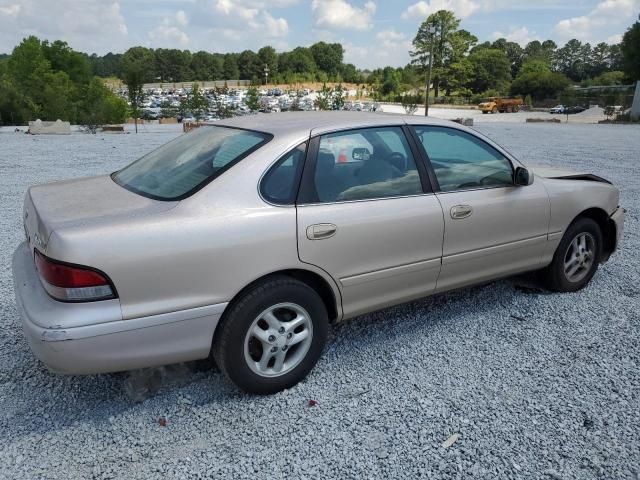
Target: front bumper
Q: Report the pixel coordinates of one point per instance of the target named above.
(618, 218)
(92, 337)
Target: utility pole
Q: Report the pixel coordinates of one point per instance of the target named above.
(432, 31)
(266, 74)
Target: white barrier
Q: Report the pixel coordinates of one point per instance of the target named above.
(49, 128)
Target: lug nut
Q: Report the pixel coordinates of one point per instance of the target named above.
(272, 338)
(281, 330)
(274, 349)
(285, 348)
(289, 335)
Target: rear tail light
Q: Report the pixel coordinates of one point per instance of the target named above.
(72, 283)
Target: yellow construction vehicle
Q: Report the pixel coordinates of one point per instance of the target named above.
(502, 105)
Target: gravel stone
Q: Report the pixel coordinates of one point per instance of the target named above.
(537, 385)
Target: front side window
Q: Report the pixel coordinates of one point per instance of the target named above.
(365, 164)
(189, 162)
(280, 183)
(462, 161)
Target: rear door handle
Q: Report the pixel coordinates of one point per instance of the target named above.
(459, 212)
(320, 231)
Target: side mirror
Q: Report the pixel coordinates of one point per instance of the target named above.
(362, 154)
(522, 177)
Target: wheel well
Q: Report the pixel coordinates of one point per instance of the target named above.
(607, 227)
(312, 279)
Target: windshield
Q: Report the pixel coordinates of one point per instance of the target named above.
(185, 165)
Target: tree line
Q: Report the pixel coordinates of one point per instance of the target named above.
(51, 80)
(541, 70)
(323, 62)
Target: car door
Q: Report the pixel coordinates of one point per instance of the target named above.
(367, 216)
(493, 228)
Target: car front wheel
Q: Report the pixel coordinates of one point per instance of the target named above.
(576, 260)
(272, 336)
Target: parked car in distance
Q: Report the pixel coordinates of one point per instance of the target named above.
(249, 237)
(574, 109)
(557, 109)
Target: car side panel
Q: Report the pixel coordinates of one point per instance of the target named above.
(569, 198)
(384, 251)
(505, 234)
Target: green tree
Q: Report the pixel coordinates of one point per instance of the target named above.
(205, 66)
(197, 102)
(537, 80)
(491, 70)
(63, 58)
(323, 101)
(100, 107)
(137, 65)
(15, 107)
(390, 82)
(250, 65)
(230, 70)
(269, 57)
(168, 110)
(446, 24)
(328, 57)
(630, 49)
(339, 94)
(253, 100)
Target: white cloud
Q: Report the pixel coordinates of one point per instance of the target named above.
(391, 48)
(168, 36)
(11, 10)
(606, 15)
(337, 14)
(614, 39)
(90, 25)
(422, 9)
(181, 18)
(276, 27)
(520, 35)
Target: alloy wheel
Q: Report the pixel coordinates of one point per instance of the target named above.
(278, 340)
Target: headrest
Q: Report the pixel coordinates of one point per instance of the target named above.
(325, 163)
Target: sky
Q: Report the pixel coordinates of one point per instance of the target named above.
(374, 33)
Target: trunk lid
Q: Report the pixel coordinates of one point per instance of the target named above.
(81, 202)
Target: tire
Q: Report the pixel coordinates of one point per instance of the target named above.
(239, 353)
(558, 275)
(484, 112)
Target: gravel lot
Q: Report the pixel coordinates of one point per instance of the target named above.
(534, 385)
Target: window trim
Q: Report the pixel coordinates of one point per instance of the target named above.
(432, 172)
(297, 178)
(267, 138)
(307, 196)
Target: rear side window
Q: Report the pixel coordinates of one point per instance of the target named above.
(280, 184)
(183, 166)
(365, 164)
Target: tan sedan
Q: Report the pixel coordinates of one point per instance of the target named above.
(247, 238)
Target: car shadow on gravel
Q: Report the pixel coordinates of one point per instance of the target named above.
(101, 397)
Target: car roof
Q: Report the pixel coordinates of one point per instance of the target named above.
(318, 122)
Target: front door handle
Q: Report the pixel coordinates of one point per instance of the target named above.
(458, 212)
(320, 231)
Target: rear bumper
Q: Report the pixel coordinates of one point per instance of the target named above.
(83, 338)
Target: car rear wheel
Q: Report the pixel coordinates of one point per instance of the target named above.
(576, 260)
(272, 336)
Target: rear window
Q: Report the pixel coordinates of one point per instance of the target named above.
(185, 165)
